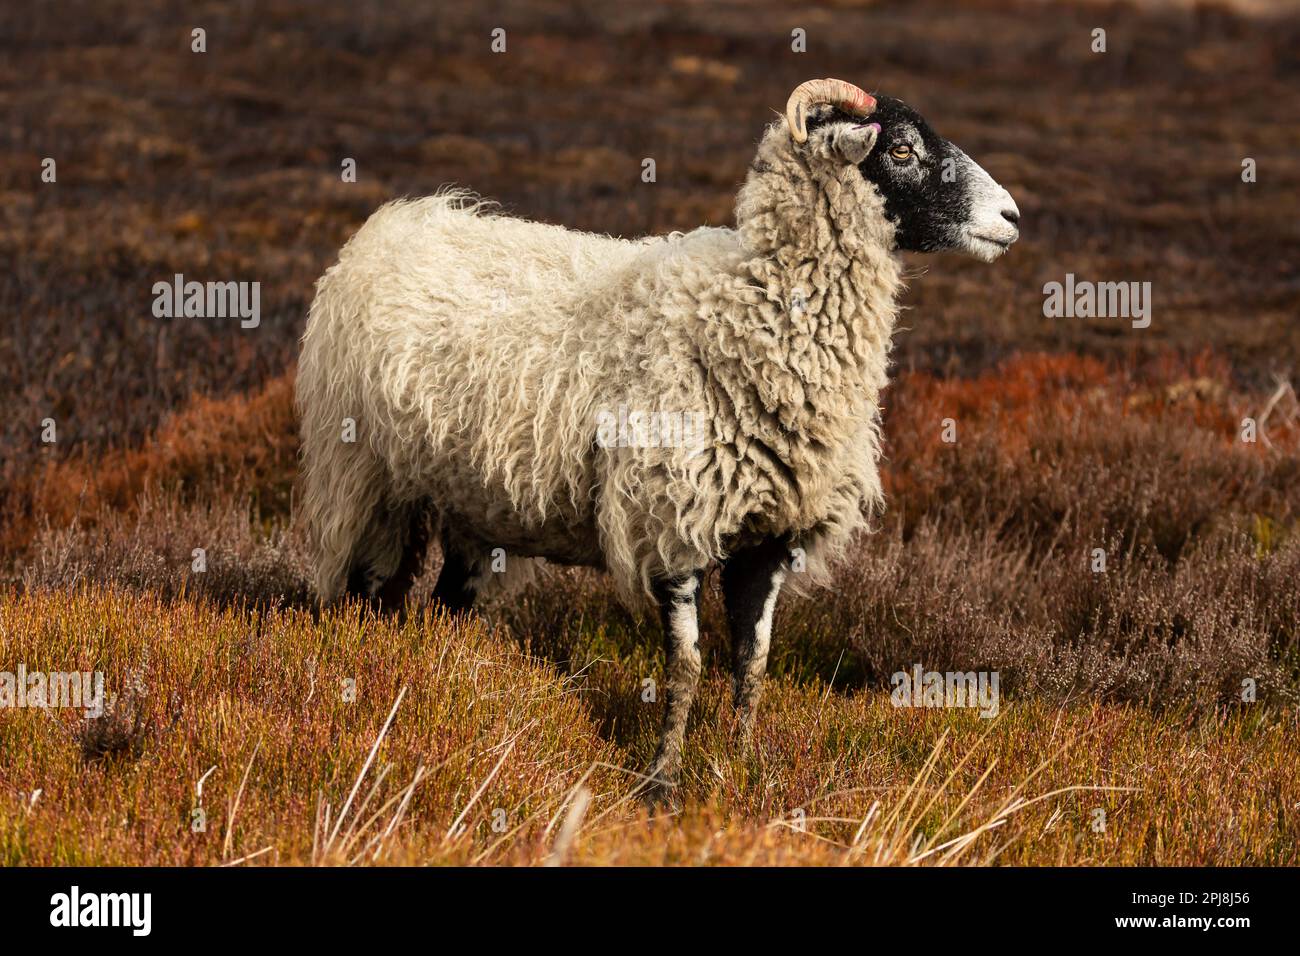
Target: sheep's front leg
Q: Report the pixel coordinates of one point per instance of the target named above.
(751, 582)
(679, 609)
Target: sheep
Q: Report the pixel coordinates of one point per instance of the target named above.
(482, 361)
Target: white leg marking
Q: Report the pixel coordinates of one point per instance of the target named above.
(682, 675)
(683, 619)
(763, 628)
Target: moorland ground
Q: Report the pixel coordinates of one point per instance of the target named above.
(1122, 737)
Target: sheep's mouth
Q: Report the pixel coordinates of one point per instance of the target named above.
(987, 247)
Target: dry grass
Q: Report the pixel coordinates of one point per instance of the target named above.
(458, 748)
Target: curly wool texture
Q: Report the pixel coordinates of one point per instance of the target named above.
(475, 353)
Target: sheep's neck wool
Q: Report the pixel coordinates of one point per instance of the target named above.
(788, 353)
(822, 283)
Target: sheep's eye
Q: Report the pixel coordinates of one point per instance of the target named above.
(902, 153)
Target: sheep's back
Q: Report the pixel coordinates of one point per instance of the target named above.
(462, 336)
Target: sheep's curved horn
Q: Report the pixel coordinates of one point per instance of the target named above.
(834, 92)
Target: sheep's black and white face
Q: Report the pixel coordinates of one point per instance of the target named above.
(937, 197)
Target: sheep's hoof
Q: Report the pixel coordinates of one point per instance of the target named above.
(659, 793)
(742, 728)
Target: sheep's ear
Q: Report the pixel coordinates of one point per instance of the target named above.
(848, 143)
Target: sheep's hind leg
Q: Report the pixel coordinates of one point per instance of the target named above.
(454, 589)
(678, 607)
(392, 593)
(389, 557)
(751, 582)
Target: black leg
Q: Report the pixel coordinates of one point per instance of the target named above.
(391, 595)
(358, 586)
(751, 582)
(679, 611)
(407, 528)
(453, 590)
(361, 583)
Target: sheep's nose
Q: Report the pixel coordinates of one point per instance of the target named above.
(1011, 215)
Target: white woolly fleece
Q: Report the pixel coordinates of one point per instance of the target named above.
(474, 352)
